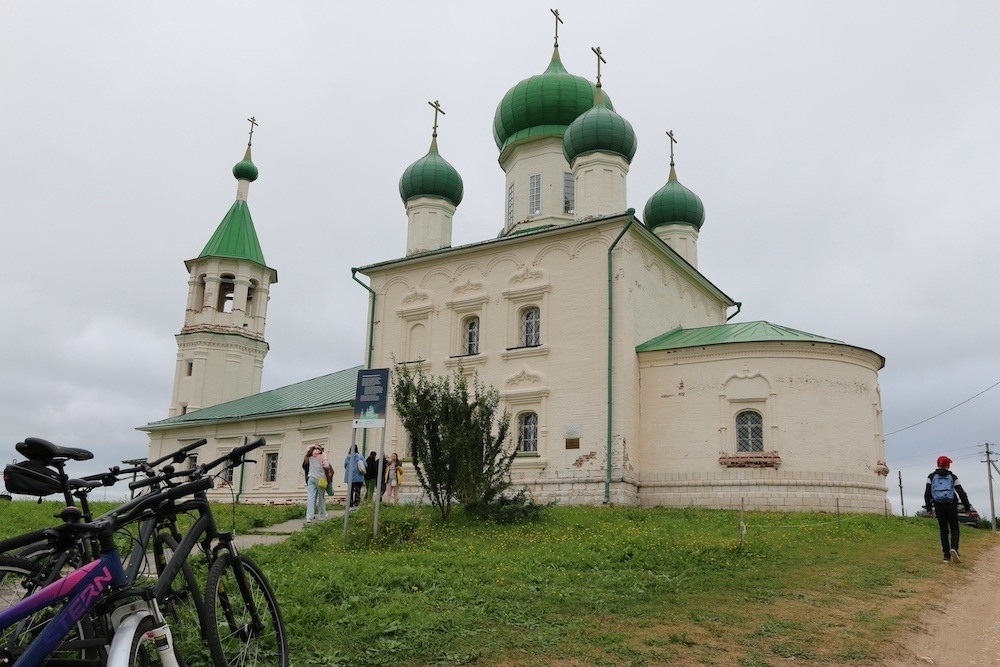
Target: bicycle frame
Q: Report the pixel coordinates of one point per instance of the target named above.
(83, 587)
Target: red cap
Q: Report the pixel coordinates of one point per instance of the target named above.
(943, 462)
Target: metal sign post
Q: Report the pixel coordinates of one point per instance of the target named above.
(370, 401)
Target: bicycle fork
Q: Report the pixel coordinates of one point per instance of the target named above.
(127, 621)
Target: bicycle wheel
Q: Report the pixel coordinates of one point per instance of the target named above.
(16, 576)
(182, 603)
(243, 623)
(143, 652)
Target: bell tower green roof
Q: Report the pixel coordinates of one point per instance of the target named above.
(235, 237)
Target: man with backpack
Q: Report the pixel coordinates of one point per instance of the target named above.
(944, 491)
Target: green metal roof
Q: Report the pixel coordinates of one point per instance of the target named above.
(542, 105)
(235, 237)
(335, 390)
(743, 332)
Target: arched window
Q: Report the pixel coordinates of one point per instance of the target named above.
(749, 432)
(531, 327)
(227, 290)
(527, 432)
(470, 336)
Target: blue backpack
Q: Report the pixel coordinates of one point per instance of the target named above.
(943, 488)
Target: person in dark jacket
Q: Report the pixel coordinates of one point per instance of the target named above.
(941, 496)
(371, 476)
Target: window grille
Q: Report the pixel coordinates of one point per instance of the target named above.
(535, 194)
(749, 432)
(470, 343)
(531, 327)
(569, 194)
(271, 467)
(527, 432)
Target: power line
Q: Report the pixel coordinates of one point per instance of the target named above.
(943, 412)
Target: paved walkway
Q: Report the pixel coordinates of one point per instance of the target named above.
(278, 532)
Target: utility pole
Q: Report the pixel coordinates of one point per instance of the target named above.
(989, 476)
(902, 510)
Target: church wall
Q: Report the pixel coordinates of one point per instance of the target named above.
(563, 380)
(820, 413)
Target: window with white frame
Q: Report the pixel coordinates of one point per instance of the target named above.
(749, 432)
(527, 432)
(535, 194)
(531, 327)
(470, 335)
(271, 467)
(510, 206)
(569, 194)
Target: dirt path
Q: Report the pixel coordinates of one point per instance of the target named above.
(965, 630)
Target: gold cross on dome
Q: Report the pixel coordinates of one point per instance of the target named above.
(437, 108)
(253, 123)
(670, 134)
(600, 59)
(555, 12)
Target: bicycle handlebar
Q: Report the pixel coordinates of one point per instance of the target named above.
(179, 455)
(234, 457)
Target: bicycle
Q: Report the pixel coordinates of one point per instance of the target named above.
(158, 533)
(44, 622)
(242, 621)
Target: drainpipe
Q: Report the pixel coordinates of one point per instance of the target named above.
(371, 344)
(611, 319)
(371, 318)
(739, 307)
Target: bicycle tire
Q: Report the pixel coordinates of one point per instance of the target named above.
(143, 652)
(229, 626)
(15, 579)
(182, 603)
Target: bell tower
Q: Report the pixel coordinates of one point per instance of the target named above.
(221, 347)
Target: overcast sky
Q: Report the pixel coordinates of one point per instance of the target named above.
(846, 153)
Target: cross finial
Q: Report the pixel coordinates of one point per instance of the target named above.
(555, 12)
(437, 109)
(600, 59)
(670, 134)
(253, 123)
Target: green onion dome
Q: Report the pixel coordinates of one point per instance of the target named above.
(674, 204)
(245, 170)
(599, 129)
(431, 176)
(542, 105)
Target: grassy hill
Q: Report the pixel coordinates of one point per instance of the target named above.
(603, 586)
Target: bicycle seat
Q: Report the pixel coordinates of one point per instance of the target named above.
(45, 452)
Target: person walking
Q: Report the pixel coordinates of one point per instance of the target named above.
(316, 465)
(371, 475)
(354, 476)
(393, 477)
(941, 495)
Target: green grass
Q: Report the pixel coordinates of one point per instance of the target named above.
(602, 586)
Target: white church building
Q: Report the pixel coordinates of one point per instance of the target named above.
(626, 375)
